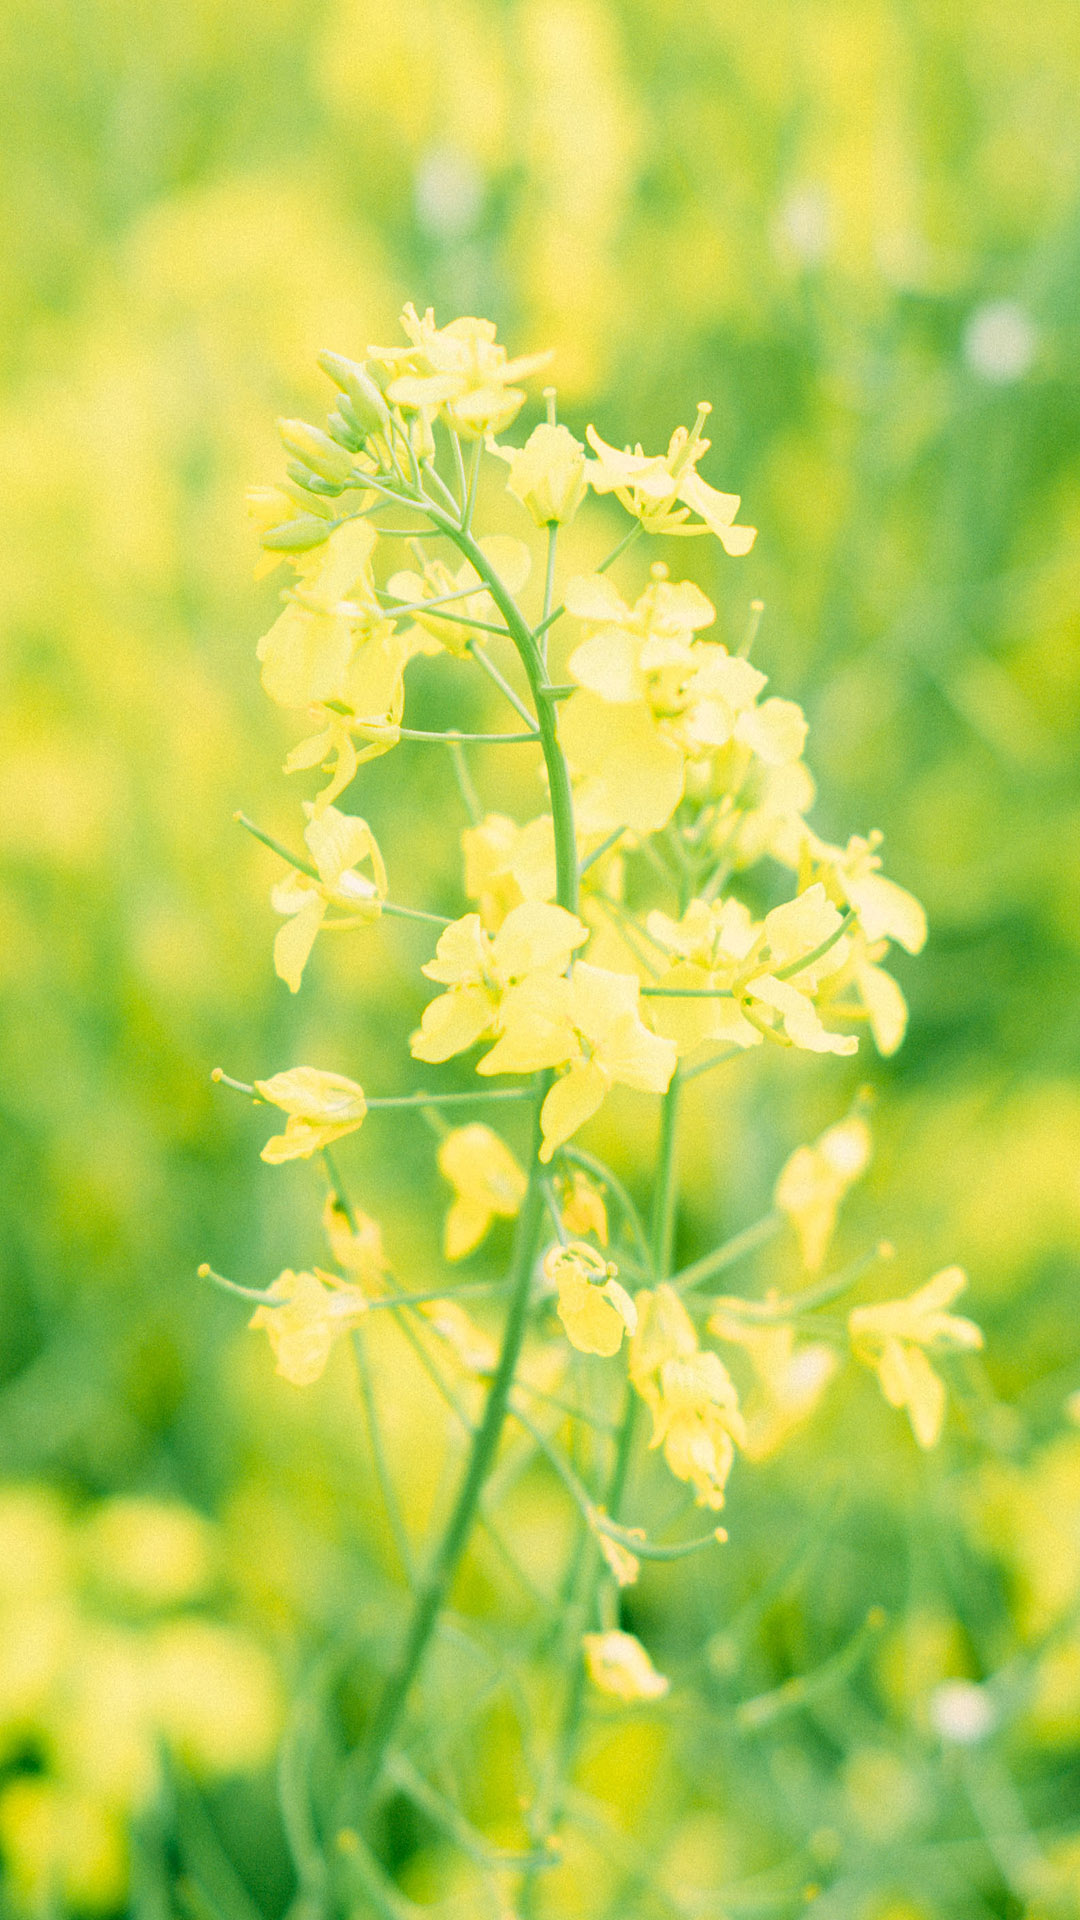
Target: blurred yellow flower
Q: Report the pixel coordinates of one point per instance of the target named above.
(214, 1696)
(689, 1393)
(307, 653)
(482, 970)
(618, 1663)
(582, 1206)
(322, 1107)
(591, 1025)
(506, 865)
(473, 1349)
(815, 1179)
(791, 1378)
(663, 490)
(594, 1309)
(356, 1245)
(157, 1553)
(547, 474)
(488, 1183)
(315, 1310)
(894, 1337)
(339, 844)
(458, 371)
(59, 1842)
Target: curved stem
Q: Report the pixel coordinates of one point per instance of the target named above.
(435, 1588)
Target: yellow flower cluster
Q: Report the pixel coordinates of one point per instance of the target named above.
(103, 1668)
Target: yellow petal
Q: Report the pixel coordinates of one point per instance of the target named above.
(536, 935)
(570, 1102)
(453, 1023)
(293, 942)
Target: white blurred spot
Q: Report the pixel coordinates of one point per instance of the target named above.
(961, 1712)
(804, 224)
(1000, 341)
(448, 192)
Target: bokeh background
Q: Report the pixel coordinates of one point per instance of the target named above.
(854, 226)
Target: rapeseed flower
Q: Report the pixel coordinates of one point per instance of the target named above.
(547, 474)
(309, 1313)
(487, 1181)
(689, 1392)
(791, 1377)
(618, 1663)
(506, 865)
(339, 844)
(594, 1309)
(481, 970)
(322, 1107)
(677, 698)
(459, 372)
(663, 490)
(895, 1338)
(814, 1181)
(589, 1024)
(474, 1350)
(355, 1242)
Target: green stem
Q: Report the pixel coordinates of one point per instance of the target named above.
(435, 1588)
(664, 1193)
(562, 804)
(743, 1243)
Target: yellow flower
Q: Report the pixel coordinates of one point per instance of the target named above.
(594, 1309)
(662, 490)
(639, 659)
(764, 976)
(213, 1696)
(791, 1378)
(339, 843)
(322, 1107)
(618, 1664)
(509, 558)
(59, 1842)
(547, 474)
(678, 698)
(852, 877)
(481, 970)
(582, 1206)
(792, 933)
(315, 1309)
(689, 1393)
(488, 1182)
(894, 1338)
(458, 371)
(153, 1553)
(713, 942)
(473, 1349)
(357, 1248)
(591, 1025)
(307, 653)
(814, 1181)
(506, 865)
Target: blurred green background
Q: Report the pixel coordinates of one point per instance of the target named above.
(855, 228)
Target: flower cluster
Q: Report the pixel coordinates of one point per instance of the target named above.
(667, 907)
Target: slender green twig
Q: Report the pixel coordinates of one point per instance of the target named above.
(732, 1250)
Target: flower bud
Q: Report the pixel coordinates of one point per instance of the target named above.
(368, 405)
(342, 428)
(315, 449)
(297, 535)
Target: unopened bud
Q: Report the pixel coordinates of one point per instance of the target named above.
(343, 429)
(313, 482)
(368, 405)
(296, 535)
(315, 449)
